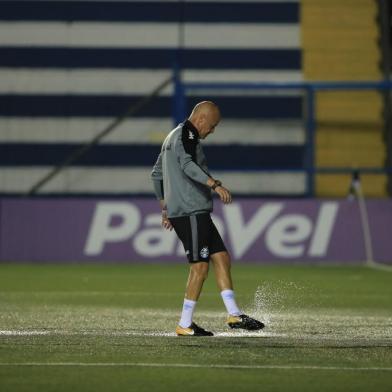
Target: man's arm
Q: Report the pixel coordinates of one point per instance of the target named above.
(165, 220)
(157, 178)
(223, 193)
(157, 181)
(186, 154)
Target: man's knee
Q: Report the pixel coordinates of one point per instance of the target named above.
(221, 258)
(200, 270)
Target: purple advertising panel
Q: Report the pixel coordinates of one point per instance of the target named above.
(254, 230)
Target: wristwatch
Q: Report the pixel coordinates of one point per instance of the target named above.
(216, 184)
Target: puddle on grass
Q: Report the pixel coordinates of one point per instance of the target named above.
(281, 305)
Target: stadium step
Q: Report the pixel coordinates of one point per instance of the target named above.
(335, 35)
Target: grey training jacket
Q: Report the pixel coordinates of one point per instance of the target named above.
(180, 173)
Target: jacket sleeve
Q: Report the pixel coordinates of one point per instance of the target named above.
(157, 178)
(186, 152)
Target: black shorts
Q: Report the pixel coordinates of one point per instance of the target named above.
(199, 236)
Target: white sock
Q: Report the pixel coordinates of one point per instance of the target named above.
(187, 313)
(229, 300)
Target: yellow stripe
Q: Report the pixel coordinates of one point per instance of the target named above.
(340, 66)
(361, 107)
(337, 185)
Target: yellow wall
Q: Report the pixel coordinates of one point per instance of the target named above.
(340, 42)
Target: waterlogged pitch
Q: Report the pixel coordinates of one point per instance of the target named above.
(111, 328)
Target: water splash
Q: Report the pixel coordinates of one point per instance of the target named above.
(273, 298)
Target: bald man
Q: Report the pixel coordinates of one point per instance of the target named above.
(183, 185)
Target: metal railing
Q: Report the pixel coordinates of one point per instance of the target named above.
(310, 89)
(86, 147)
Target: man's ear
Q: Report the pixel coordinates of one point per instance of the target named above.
(202, 118)
(199, 121)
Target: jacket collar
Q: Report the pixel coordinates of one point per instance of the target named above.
(189, 126)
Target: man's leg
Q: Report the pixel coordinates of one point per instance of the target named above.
(222, 268)
(236, 319)
(188, 231)
(197, 275)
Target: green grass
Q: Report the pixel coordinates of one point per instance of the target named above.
(110, 328)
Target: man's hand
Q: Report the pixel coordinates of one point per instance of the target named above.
(217, 186)
(165, 221)
(224, 194)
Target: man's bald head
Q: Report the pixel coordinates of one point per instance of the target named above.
(205, 117)
(204, 107)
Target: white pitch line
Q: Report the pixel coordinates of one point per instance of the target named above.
(194, 365)
(23, 333)
(97, 293)
(230, 334)
(379, 266)
(260, 334)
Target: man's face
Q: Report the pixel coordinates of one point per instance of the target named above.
(207, 124)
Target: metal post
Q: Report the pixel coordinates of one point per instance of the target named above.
(179, 91)
(179, 97)
(310, 140)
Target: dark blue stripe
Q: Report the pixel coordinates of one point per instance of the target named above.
(118, 195)
(247, 157)
(144, 11)
(112, 106)
(63, 57)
